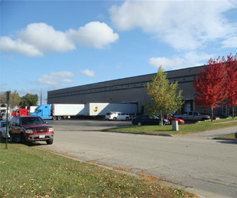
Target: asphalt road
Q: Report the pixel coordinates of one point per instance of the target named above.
(196, 162)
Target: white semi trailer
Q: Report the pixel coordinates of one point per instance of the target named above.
(62, 111)
(59, 111)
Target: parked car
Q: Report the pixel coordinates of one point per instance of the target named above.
(133, 115)
(215, 117)
(30, 129)
(117, 116)
(223, 116)
(180, 121)
(146, 120)
(3, 125)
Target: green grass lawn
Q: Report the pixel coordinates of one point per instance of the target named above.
(26, 171)
(183, 129)
(30, 172)
(228, 136)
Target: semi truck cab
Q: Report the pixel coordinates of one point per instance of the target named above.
(43, 111)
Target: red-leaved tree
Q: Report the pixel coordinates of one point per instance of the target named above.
(231, 82)
(209, 85)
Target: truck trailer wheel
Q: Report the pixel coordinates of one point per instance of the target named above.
(59, 118)
(54, 118)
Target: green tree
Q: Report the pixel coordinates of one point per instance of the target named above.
(164, 95)
(29, 100)
(3, 97)
(15, 99)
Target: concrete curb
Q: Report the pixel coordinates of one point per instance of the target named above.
(216, 138)
(198, 192)
(134, 133)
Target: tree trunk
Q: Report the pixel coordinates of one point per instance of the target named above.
(211, 114)
(161, 119)
(233, 112)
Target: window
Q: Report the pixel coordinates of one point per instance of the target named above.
(17, 122)
(195, 113)
(3, 124)
(32, 120)
(12, 120)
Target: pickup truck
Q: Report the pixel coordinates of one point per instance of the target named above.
(30, 129)
(116, 116)
(193, 116)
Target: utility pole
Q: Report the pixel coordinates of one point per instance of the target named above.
(8, 98)
(41, 98)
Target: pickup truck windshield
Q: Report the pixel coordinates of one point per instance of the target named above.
(32, 120)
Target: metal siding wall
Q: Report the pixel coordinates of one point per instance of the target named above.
(123, 90)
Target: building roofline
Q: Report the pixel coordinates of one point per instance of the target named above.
(99, 83)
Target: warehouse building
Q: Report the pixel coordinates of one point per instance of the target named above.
(128, 90)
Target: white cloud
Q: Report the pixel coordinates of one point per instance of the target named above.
(45, 38)
(230, 43)
(18, 46)
(189, 59)
(38, 38)
(88, 72)
(94, 34)
(166, 63)
(56, 78)
(185, 25)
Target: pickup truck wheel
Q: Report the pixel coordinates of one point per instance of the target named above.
(127, 118)
(139, 124)
(49, 141)
(23, 139)
(114, 118)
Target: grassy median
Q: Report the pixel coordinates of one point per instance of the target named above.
(183, 129)
(30, 172)
(228, 136)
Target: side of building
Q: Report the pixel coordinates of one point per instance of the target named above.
(129, 90)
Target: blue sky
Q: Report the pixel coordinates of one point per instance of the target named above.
(48, 45)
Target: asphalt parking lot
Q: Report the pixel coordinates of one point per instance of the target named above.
(195, 162)
(86, 125)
